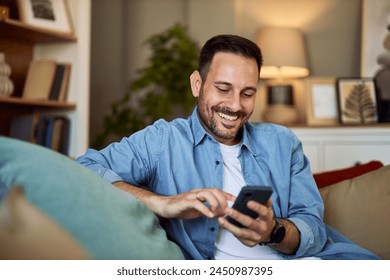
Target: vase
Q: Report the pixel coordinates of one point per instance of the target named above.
(6, 85)
(281, 114)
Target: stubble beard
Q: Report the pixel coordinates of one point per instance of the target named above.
(211, 123)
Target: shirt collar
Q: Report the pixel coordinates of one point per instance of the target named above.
(197, 128)
(200, 132)
(246, 139)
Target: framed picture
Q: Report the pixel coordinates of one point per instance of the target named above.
(321, 101)
(357, 101)
(47, 14)
(375, 19)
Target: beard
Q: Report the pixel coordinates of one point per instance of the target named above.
(211, 120)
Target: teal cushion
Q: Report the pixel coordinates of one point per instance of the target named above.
(107, 222)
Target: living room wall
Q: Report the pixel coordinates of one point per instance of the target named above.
(120, 28)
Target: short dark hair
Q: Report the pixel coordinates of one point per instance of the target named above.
(230, 44)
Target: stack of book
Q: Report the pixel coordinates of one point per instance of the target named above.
(47, 80)
(51, 131)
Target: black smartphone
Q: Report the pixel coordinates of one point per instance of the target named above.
(260, 194)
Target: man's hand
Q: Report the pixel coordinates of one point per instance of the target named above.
(259, 229)
(209, 202)
(197, 202)
(254, 230)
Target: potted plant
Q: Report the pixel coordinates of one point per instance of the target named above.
(161, 89)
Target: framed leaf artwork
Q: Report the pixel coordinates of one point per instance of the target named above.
(357, 101)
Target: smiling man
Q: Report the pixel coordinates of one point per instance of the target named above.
(189, 171)
(226, 95)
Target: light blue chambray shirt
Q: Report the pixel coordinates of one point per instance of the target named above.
(174, 157)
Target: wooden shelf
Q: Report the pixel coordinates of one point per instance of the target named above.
(38, 104)
(16, 30)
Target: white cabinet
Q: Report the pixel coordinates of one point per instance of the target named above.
(339, 147)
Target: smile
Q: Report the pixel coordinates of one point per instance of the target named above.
(227, 117)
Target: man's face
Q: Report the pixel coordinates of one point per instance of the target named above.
(227, 98)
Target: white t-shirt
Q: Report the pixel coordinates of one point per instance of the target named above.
(227, 246)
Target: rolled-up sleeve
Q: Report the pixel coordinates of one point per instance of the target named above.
(306, 206)
(131, 160)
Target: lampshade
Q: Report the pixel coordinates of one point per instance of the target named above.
(284, 53)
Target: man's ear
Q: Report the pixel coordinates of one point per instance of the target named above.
(196, 83)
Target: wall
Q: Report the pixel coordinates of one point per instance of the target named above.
(331, 29)
(79, 55)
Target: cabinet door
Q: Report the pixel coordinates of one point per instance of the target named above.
(339, 154)
(341, 147)
(313, 153)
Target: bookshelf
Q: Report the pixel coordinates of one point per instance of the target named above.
(14, 29)
(17, 41)
(23, 43)
(9, 102)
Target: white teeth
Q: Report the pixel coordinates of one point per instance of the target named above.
(227, 117)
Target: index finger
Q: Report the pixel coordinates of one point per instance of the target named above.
(215, 198)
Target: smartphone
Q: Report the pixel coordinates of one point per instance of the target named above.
(260, 194)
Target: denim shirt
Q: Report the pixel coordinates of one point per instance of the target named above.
(169, 158)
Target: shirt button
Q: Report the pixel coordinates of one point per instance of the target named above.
(212, 229)
(217, 162)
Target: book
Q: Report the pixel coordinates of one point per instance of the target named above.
(53, 132)
(24, 127)
(49, 130)
(42, 129)
(60, 135)
(57, 134)
(59, 88)
(63, 96)
(63, 145)
(57, 82)
(39, 79)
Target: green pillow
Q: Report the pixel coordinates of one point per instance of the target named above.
(107, 222)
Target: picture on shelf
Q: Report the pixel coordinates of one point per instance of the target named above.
(48, 14)
(321, 101)
(357, 101)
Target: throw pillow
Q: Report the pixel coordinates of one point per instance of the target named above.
(359, 209)
(26, 233)
(106, 221)
(332, 177)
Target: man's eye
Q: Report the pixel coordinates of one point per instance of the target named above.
(223, 89)
(248, 94)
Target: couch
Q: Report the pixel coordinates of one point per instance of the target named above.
(357, 203)
(53, 208)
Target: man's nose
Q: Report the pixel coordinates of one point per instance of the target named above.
(234, 102)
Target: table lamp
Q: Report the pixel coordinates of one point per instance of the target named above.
(284, 55)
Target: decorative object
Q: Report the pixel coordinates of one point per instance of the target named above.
(375, 14)
(382, 79)
(4, 12)
(161, 89)
(357, 100)
(321, 101)
(6, 85)
(52, 15)
(284, 54)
